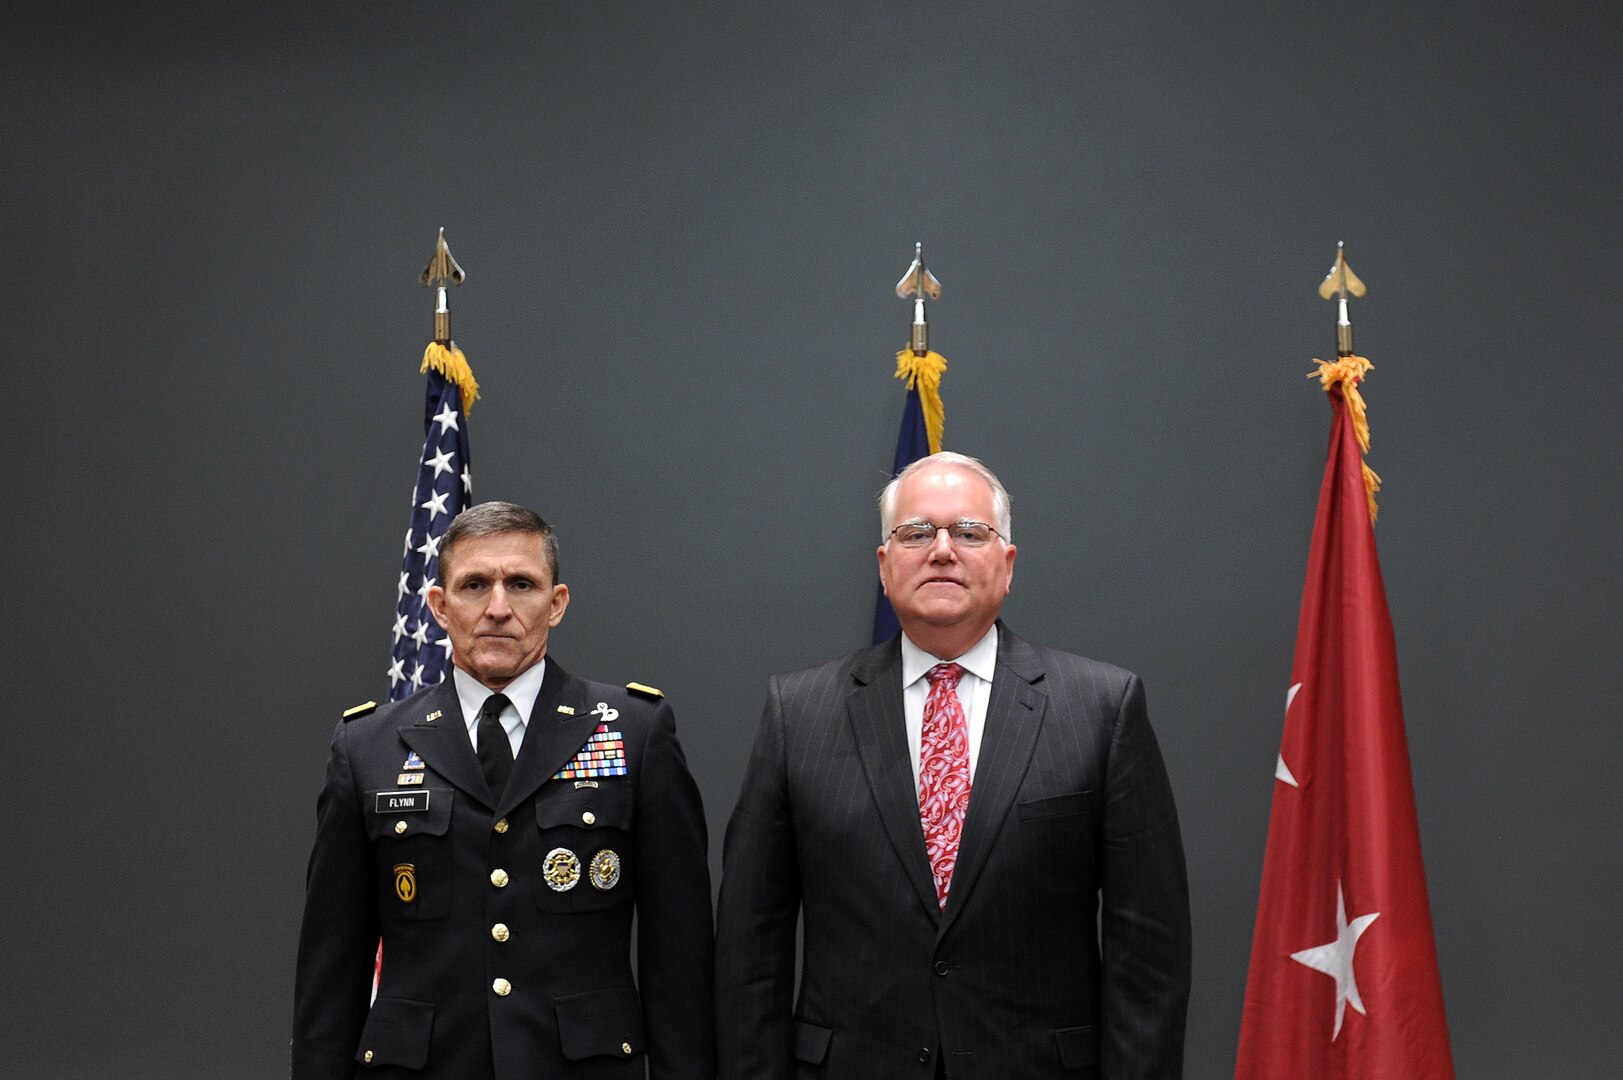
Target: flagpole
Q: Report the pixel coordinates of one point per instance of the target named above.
(918, 364)
(1349, 368)
(923, 415)
(421, 652)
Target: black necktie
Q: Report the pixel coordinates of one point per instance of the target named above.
(495, 752)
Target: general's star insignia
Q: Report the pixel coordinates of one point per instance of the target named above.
(1335, 959)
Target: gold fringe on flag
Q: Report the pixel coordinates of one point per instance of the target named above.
(1347, 372)
(925, 372)
(450, 363)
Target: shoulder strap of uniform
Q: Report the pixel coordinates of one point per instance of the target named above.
(360, 710)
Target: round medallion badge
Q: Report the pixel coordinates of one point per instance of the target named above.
(561, 869)
(605, 871)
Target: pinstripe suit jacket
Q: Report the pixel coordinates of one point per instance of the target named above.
(1063, 950)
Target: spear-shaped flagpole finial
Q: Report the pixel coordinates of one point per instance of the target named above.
(1339, 284)
(442, 271)
(917, 285)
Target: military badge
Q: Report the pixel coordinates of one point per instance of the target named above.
(561, 869)
(406, 779)
(413, 762)
(605, 871)
(405, 882)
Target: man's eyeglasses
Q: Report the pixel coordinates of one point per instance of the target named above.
(967, 534)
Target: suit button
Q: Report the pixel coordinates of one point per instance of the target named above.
(941, 967)
(498, 878)
(399, 827)
(502, 987)
(367, 1057)
(924, 1056)
(589, 818)
(499, 931)
(501, 825)
(625, 1048)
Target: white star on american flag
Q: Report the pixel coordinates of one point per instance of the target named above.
(436, 504)
(441, 462)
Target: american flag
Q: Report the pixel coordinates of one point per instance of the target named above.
(422, 652)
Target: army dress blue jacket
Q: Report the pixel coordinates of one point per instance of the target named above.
(506, 923)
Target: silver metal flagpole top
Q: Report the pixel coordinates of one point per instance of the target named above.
(918, 284)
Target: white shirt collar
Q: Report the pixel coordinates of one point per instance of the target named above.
(522, 692)
(980, 660)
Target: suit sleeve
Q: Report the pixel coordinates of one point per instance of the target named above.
(674, 931)
(756, 916)
(339, 937)
(1144, 917)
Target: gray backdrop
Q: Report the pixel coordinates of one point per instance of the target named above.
(681, 224)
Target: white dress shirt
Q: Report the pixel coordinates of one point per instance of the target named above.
(521, 694)
(974, 691)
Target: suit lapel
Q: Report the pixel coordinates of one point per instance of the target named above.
(442, 742)
(874, 706)
(551, 738)
(1014, 715)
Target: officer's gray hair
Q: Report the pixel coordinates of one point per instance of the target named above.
(1000, 495)
(492, 519)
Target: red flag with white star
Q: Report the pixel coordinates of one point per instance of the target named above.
(1344, 981)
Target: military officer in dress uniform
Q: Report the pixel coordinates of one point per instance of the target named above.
(499, 832)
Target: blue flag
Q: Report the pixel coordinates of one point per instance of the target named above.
(422, 652)
(912, 444)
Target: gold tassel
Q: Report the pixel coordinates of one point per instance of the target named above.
(925, 372)
(1346, 372)
(454, 366)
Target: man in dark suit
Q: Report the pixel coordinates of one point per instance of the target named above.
(499, 831)
(977, 832)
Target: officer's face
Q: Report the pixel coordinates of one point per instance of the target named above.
(498, 605)
(944, 586)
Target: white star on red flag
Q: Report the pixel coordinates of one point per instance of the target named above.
(1335, 959)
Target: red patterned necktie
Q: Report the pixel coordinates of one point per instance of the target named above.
(943, 773)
